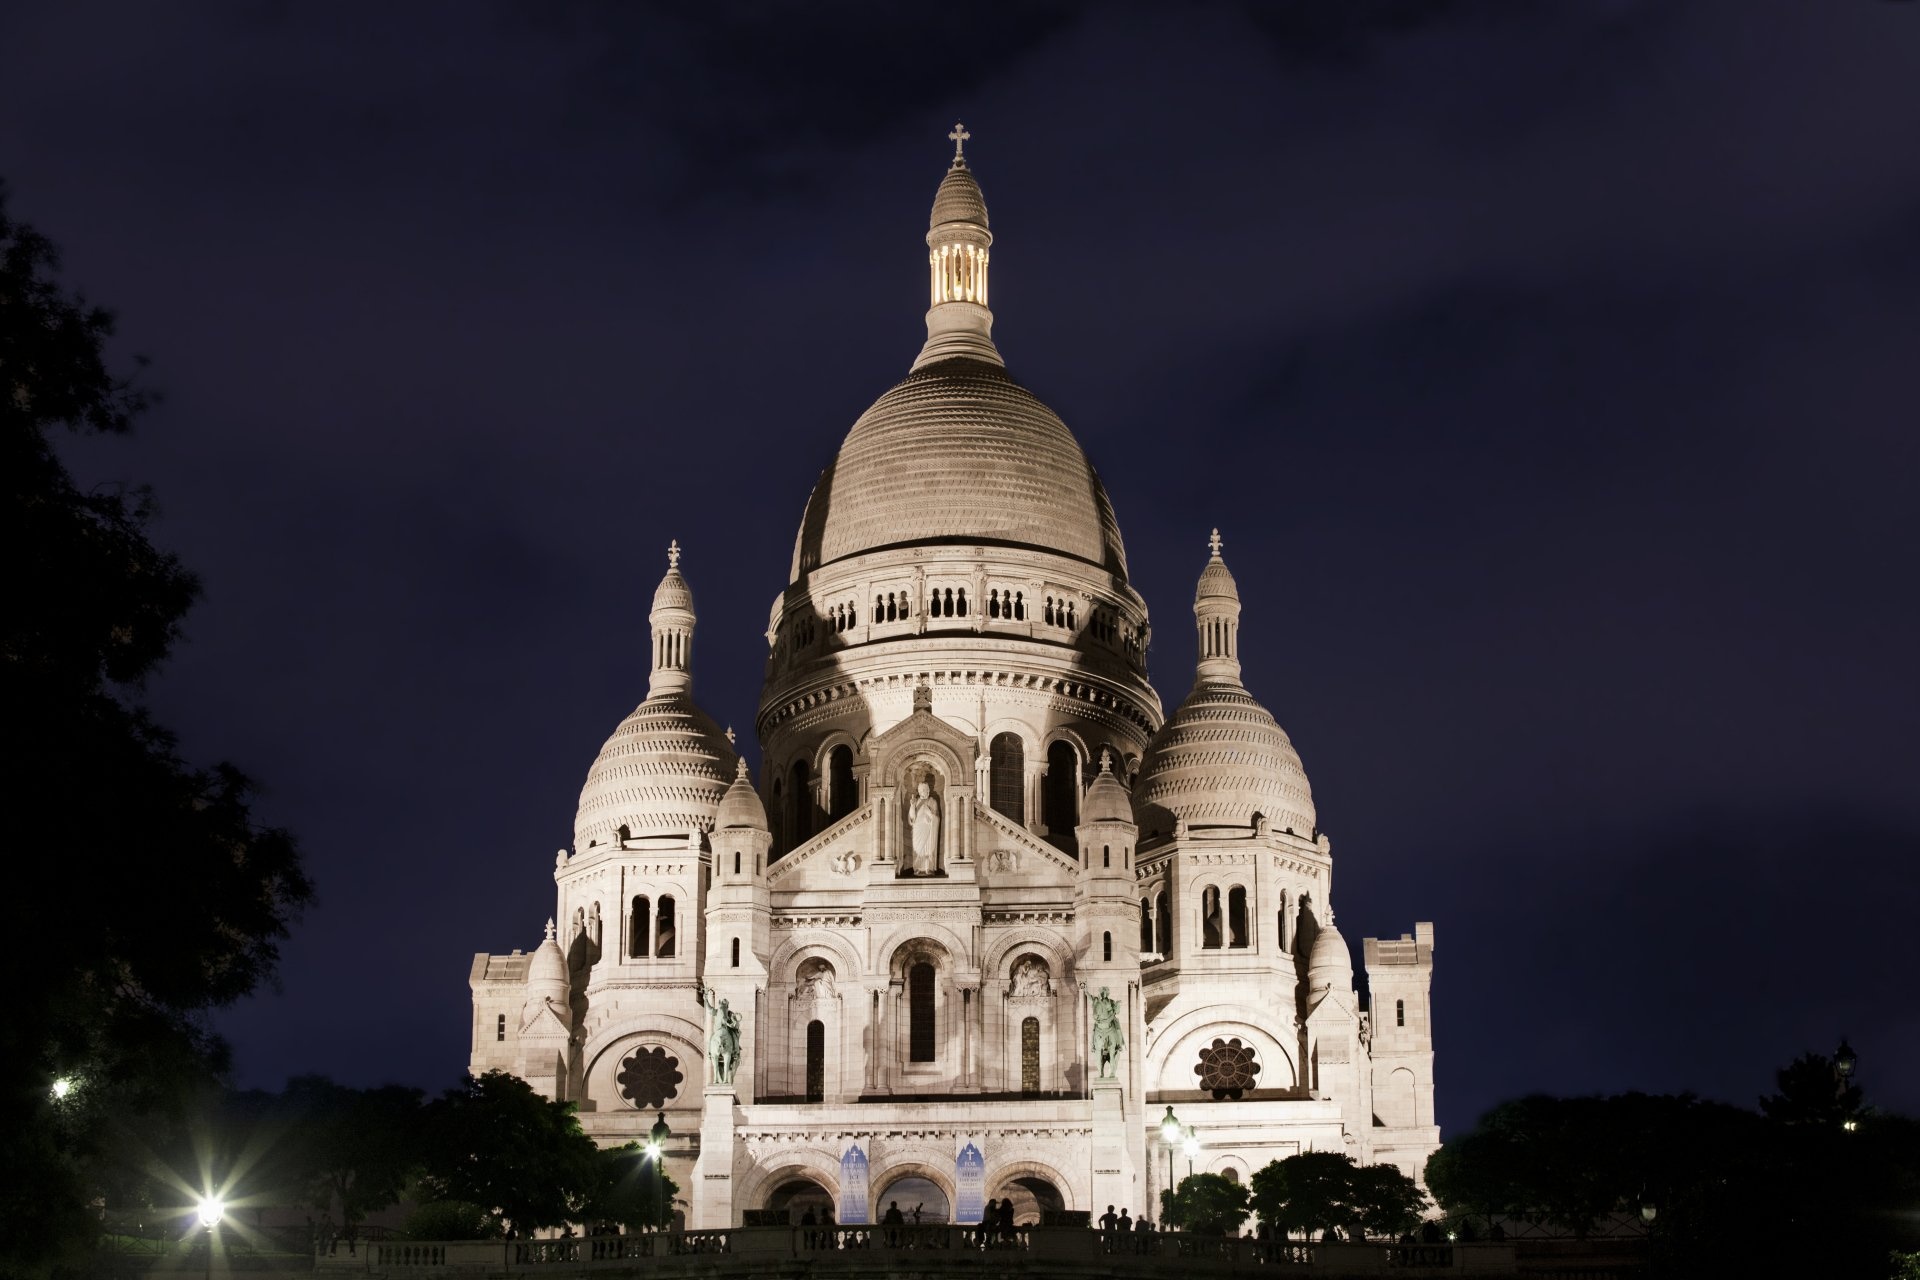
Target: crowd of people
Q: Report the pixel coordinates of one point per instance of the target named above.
(1124, 1233)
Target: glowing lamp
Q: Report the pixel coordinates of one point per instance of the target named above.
(61, 1088)
(212, 1209)
(1170, 1128)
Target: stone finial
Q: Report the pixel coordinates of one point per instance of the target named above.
(559, 858)
(959, 137)
(730, 739)
(1106, 759)
(922, 697)
(1214, 544)
(549, 928)
(673, 554)
(740, 765)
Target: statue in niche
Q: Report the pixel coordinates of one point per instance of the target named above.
(923, 819)
(1107, 1040)
(816, 981)
(1030, 977)
(723, 1039)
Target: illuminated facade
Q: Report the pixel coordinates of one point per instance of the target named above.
(970, 820)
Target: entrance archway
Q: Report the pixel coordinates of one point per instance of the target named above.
(910, 1191)
(1032, 1196)
(797, 1195)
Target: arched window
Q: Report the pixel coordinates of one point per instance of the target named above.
(500, 1027)
(663, 930)
(1399, 1013)
(1106, 855)
(1210, 921)
(879, 608)
(1030, 1055)
(1062, 793)
(639, 925)
(799, 804)
(993, 603)
(1007, 781)
(1019, 606)
(736, 862)
(816, 1060)
(842, 796)
(1163, 923)
(1237, 917)
(736, 953)
(961, 602)
(920, 1013)
(1231, 1174)
(893, 608)
(1106, 947)
(1146, 927)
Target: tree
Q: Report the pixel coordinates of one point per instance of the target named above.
(632, 1190)
(353, 1149)
(522, 1157)
(1207, 1204)
(1812, 1091)
(92, 609)
(1309, 1192)
(1385, 1201)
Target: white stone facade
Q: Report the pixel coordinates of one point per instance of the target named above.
(916, 972)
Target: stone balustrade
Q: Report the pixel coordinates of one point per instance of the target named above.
(752, 1251)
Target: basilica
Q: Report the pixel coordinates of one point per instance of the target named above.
(985, 923)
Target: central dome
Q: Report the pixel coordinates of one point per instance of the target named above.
(959, 452)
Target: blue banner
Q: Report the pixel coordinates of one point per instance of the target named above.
(969, 1181)
(853, 1187)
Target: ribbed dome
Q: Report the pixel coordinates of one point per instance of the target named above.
(1216, 583)
(741, 806)
(1220, 759)
(959, 452)
(673, 592)
(958, 199)
(662, 772)
(547, 969)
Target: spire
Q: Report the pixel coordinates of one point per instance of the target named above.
(672, 624)
(958, 321)
(1216, 611)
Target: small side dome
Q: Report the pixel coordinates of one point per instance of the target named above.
(547, 970)
(1216, 580)
(1107, 799)
(741, 806)
(1330, 963)
(673, 593)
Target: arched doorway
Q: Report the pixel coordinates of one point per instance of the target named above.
(911, 1191)
(797, 1195)
(1032, 1197)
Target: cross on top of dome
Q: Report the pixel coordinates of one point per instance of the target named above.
(959, 136)
(673, 554)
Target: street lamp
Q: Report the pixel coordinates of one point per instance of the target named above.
(656, 1150)
(212, 1209)
(1648, 1212)
(1844, 1059)
(61, 1088)
(1171, 1131)
(1192, 1145)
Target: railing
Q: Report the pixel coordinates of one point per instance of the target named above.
(746, 1250)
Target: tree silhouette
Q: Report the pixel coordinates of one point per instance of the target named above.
(140, 884)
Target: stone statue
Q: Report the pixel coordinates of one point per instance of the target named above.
(723, 1039)
(1030, 977)
(923, 814)
(1107, 1040)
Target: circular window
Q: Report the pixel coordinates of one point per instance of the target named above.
(1226, 1068)
(649, 1078)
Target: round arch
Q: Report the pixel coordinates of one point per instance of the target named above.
(785, 1166)
(600, 1078)
(911, 931)
(1000, 956)
(791, 951)
(1012, 1170)
(1170, 1061)
(901, 757)
(915, 1165)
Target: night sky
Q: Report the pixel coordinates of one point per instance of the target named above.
(1549, 371)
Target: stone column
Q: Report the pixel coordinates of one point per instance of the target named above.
(713, 1207)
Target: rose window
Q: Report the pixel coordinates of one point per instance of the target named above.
(649, 1078)
(1226, 1068)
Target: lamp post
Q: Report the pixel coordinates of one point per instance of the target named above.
(212, 1209)
(1192, 1145)
(656, 1149)
(1171, 1131)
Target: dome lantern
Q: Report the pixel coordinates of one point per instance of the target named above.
(672, 625)
(958, 321)
(1216, 611)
